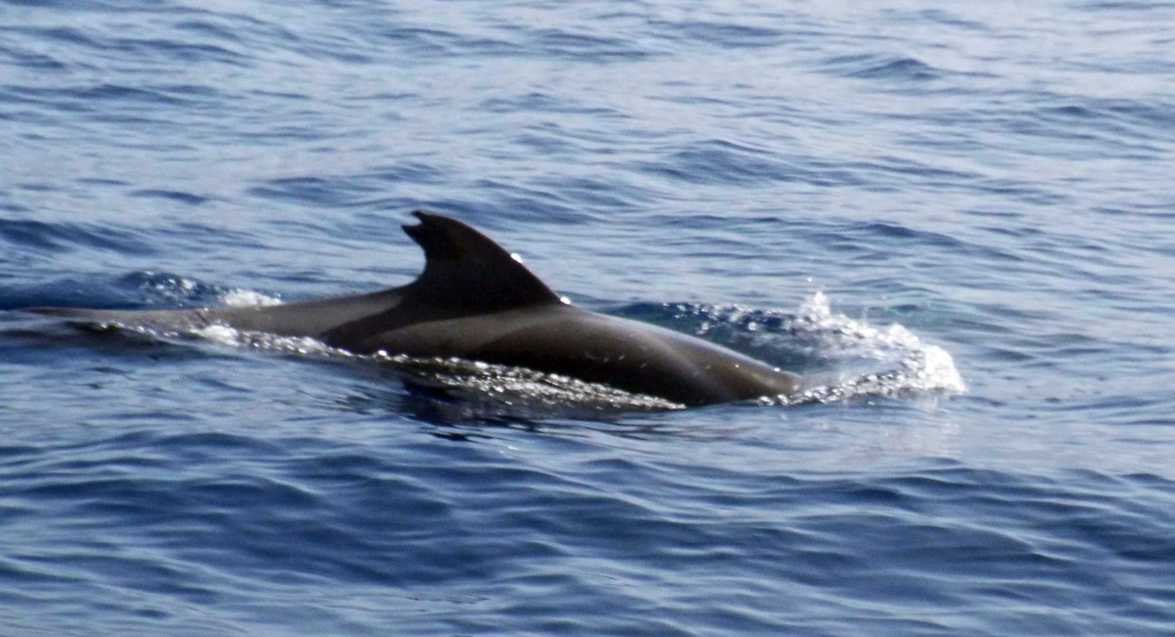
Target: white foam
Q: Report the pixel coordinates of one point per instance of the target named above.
(841, 356)
(169, 288)
(242, 298)
(909, 364)
(519, 387)
(221, 334)
(232, 337)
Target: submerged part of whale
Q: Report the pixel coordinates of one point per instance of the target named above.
(476, 301)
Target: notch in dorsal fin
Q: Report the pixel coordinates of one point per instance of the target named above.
(464, 269)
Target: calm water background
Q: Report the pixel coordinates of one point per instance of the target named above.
(978, 192)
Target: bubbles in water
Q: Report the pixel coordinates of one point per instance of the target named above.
(899, 362)
(520, 387)
(301, 345)
(242, 298)
(164, 289)
(840, 357)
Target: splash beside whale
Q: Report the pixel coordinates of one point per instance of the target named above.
(475, 301)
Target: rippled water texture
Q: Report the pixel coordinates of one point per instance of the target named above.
(955, 222)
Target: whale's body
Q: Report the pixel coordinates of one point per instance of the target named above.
(475, 301)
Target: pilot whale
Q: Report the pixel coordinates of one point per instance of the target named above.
(476, 301)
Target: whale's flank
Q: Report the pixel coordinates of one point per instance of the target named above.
(475, 300)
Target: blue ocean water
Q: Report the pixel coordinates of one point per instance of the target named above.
(955, 220)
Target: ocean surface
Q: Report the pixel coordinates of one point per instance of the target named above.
(957, 221)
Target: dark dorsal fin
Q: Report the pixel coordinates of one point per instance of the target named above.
(464, 269)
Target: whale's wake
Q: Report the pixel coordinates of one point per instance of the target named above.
(841, 357)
